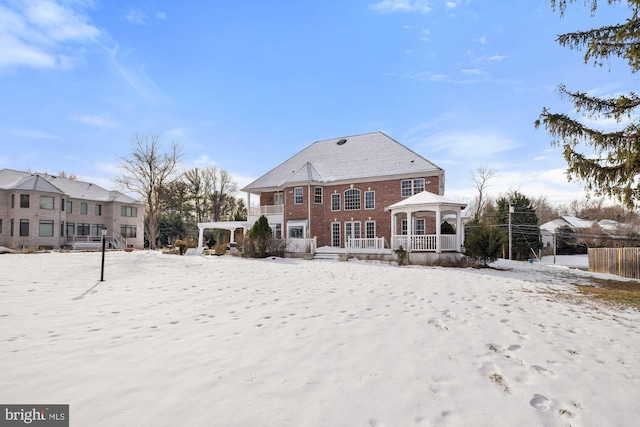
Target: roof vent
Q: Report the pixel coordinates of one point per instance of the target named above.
(341, 142)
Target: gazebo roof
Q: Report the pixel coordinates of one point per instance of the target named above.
(426, 200)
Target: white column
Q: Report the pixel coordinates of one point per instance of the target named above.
(438, 225)
(409, 231)
(200, 235)
(459, 230)
(393, 228)
(233, 235)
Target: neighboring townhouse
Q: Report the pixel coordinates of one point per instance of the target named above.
(579, 226)
(350, 192)
(38, 210)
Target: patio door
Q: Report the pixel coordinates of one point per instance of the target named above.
(335, 234)
(351, 230)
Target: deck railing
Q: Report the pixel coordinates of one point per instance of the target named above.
(364, 245)
(305, 246)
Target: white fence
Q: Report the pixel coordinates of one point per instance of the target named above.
(363, 245)
(266, 210)
(304, 246)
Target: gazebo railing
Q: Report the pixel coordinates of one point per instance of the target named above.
(425, 242)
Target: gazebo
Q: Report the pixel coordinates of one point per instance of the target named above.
(412, 217)
(232, 226)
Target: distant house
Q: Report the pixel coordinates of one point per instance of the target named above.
(38, 210)
(360, 194)
(577, 225)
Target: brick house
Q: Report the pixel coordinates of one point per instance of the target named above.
(338, 192)
(46, 211)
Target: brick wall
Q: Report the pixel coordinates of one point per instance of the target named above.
(386, 193)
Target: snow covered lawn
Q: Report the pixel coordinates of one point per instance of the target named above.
(222, 341)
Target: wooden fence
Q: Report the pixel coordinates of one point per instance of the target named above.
(624, 262)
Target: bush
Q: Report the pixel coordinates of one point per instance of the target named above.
(181, 245)
(484, 244)
(403, 255)
(220, 248)
(259, 235)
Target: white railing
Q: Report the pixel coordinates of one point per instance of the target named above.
(305, 246)
(364, 245)
(266, 210)
(425, 242)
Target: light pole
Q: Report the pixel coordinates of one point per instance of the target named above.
(104, 242)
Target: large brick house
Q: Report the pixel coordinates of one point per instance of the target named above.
(339, 191)
(46, 211)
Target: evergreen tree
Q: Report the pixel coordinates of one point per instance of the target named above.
(614, 169)
(260, 234)
(525, 230)
(484, 243)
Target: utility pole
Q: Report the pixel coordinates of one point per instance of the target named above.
(510, 234)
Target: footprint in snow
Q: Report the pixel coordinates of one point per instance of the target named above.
(540, 402)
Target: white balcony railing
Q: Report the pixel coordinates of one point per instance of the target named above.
(266, 210)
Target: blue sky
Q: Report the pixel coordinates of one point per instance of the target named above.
(245, 85)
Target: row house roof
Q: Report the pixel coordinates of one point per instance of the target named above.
(367, 156)
(19, 180)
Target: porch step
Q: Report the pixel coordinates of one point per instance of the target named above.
(326, 256)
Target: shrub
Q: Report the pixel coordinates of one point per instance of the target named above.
(403, 255)
(484, 244)
(181, 245)
(276, 247)
(220, 248)
(260, 234)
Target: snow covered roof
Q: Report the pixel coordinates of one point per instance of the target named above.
(571, 221)
(370, 155)
(18, 180)
(425, 198)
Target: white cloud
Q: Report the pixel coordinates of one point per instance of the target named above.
(44, 34)
(135, 76)
(457, 145)
(391, 6)
(32, 134)
(451, 5)
(136, 16)
(161, 15)
(498, 57)
(103, 120)
(425, 35)
(473, 71)
(481, 40)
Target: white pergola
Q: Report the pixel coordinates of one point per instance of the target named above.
(422, 205)
(232, 226)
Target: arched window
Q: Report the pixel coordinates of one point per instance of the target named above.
(352, 199)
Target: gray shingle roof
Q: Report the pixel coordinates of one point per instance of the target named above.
(18, 180)
(371, 155)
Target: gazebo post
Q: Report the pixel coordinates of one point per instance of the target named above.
(200, 235)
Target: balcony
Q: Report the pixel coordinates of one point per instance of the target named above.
(274, 213)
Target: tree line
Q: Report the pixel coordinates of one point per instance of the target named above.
(176, 199)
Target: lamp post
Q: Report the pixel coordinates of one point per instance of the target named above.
(104, 242)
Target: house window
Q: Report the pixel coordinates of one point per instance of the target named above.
(62, 228)
(352, 199)
(71, 229)
(296, 229)
(419, 227)
(409, 187)
(69, 206)
(298, 198)
(128, 211)
(83, 208)
(128, 231)
(62, 205)
(13, 201)
(369, 199)
(335, 202)
(46, 228)
(98, 210)
(11, 229)
(317, 195)
(351, 230)
(96, 230)
(403, 227)
(24, 200)
(0, 225)
(46, 202)
(83, 229)
(24, 227)
(370, 229)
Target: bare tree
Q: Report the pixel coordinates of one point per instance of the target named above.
(146, 171)
(219, 190)
(195, 186)
(481, 178)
